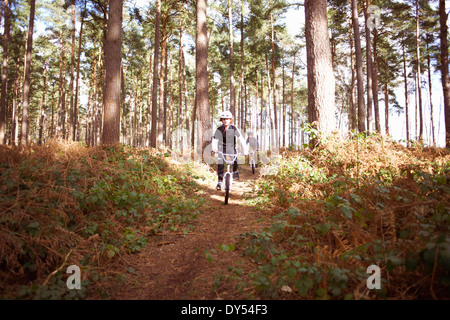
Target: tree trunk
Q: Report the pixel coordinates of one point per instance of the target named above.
(14, 111)
(369, 68)
(72, 76)
(4, 90)
(444, 69)
(284, 108)
(166, 90)
(186, 94)
(42, 111)
(269, 109)
(201, 75)
(95, 108)
(375, 82)
(386, 105)
(123, 106)
(75, 105)
(352, 116)
(61, 103)
(292, 103)
(149, 99)
(321, 82)
(241, 82)
(180, 77)
(26, 82)
(433, 141)
(263, 131)
(275, 111)
(113, 62)
(162, 87)
(153, 134)
(419, 81)
(406, 96)
(359, 69)
(232, 88)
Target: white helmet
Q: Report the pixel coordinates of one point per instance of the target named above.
(226, 115)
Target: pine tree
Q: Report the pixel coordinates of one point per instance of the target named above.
(27, 77)
(113, 58)
(321, 82)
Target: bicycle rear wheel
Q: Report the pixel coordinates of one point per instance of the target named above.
(253, 168)
(227, 187)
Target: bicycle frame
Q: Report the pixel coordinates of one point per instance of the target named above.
(228, 159)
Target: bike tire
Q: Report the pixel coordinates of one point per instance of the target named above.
(253, 168)
(227, 187)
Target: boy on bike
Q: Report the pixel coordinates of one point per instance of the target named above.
(252, 144)
(224, 140)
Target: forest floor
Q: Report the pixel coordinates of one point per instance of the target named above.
(177, 266)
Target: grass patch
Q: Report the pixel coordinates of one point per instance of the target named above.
(344, 206)
(64, 204)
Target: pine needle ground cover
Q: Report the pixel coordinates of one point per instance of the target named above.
(64, 204)
(342, 207)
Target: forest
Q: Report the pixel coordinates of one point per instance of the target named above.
(107, 111)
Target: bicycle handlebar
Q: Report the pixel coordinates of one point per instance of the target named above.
(232, 155)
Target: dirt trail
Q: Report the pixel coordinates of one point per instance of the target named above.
(174, 266)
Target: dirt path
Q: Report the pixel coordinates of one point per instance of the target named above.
(174, 266)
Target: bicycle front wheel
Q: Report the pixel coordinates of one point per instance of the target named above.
(227, 187)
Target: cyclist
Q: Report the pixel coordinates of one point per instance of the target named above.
(224, 140)
(252, 144)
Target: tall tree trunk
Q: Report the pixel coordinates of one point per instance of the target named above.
(186, 94)
(113, 62)
(4, 89)
(61, 103)
(26, 83)
(369, 67)
(375, 82)
(405, 80)
(284, 107)
(269, 109)
(123, 106)
(359, 69)
(419, 81)
(71, 134)
(444, 69)
(433, 141)
(95, 108)
(42, 111)
(162, 87)
(241, 82)
(232, 88)
(14, 111)
(353, 116)
(416, 105)
(153, 132)
(166, 90)
(386, 105)
(180, 77)
(292, 102)
(321, 82)
(263, 131)
(275, 111)
(75, 105)
(201, 76)
(149, 99)
(87, 120)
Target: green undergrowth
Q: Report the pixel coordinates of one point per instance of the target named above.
(342, 207)
(65, 204)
